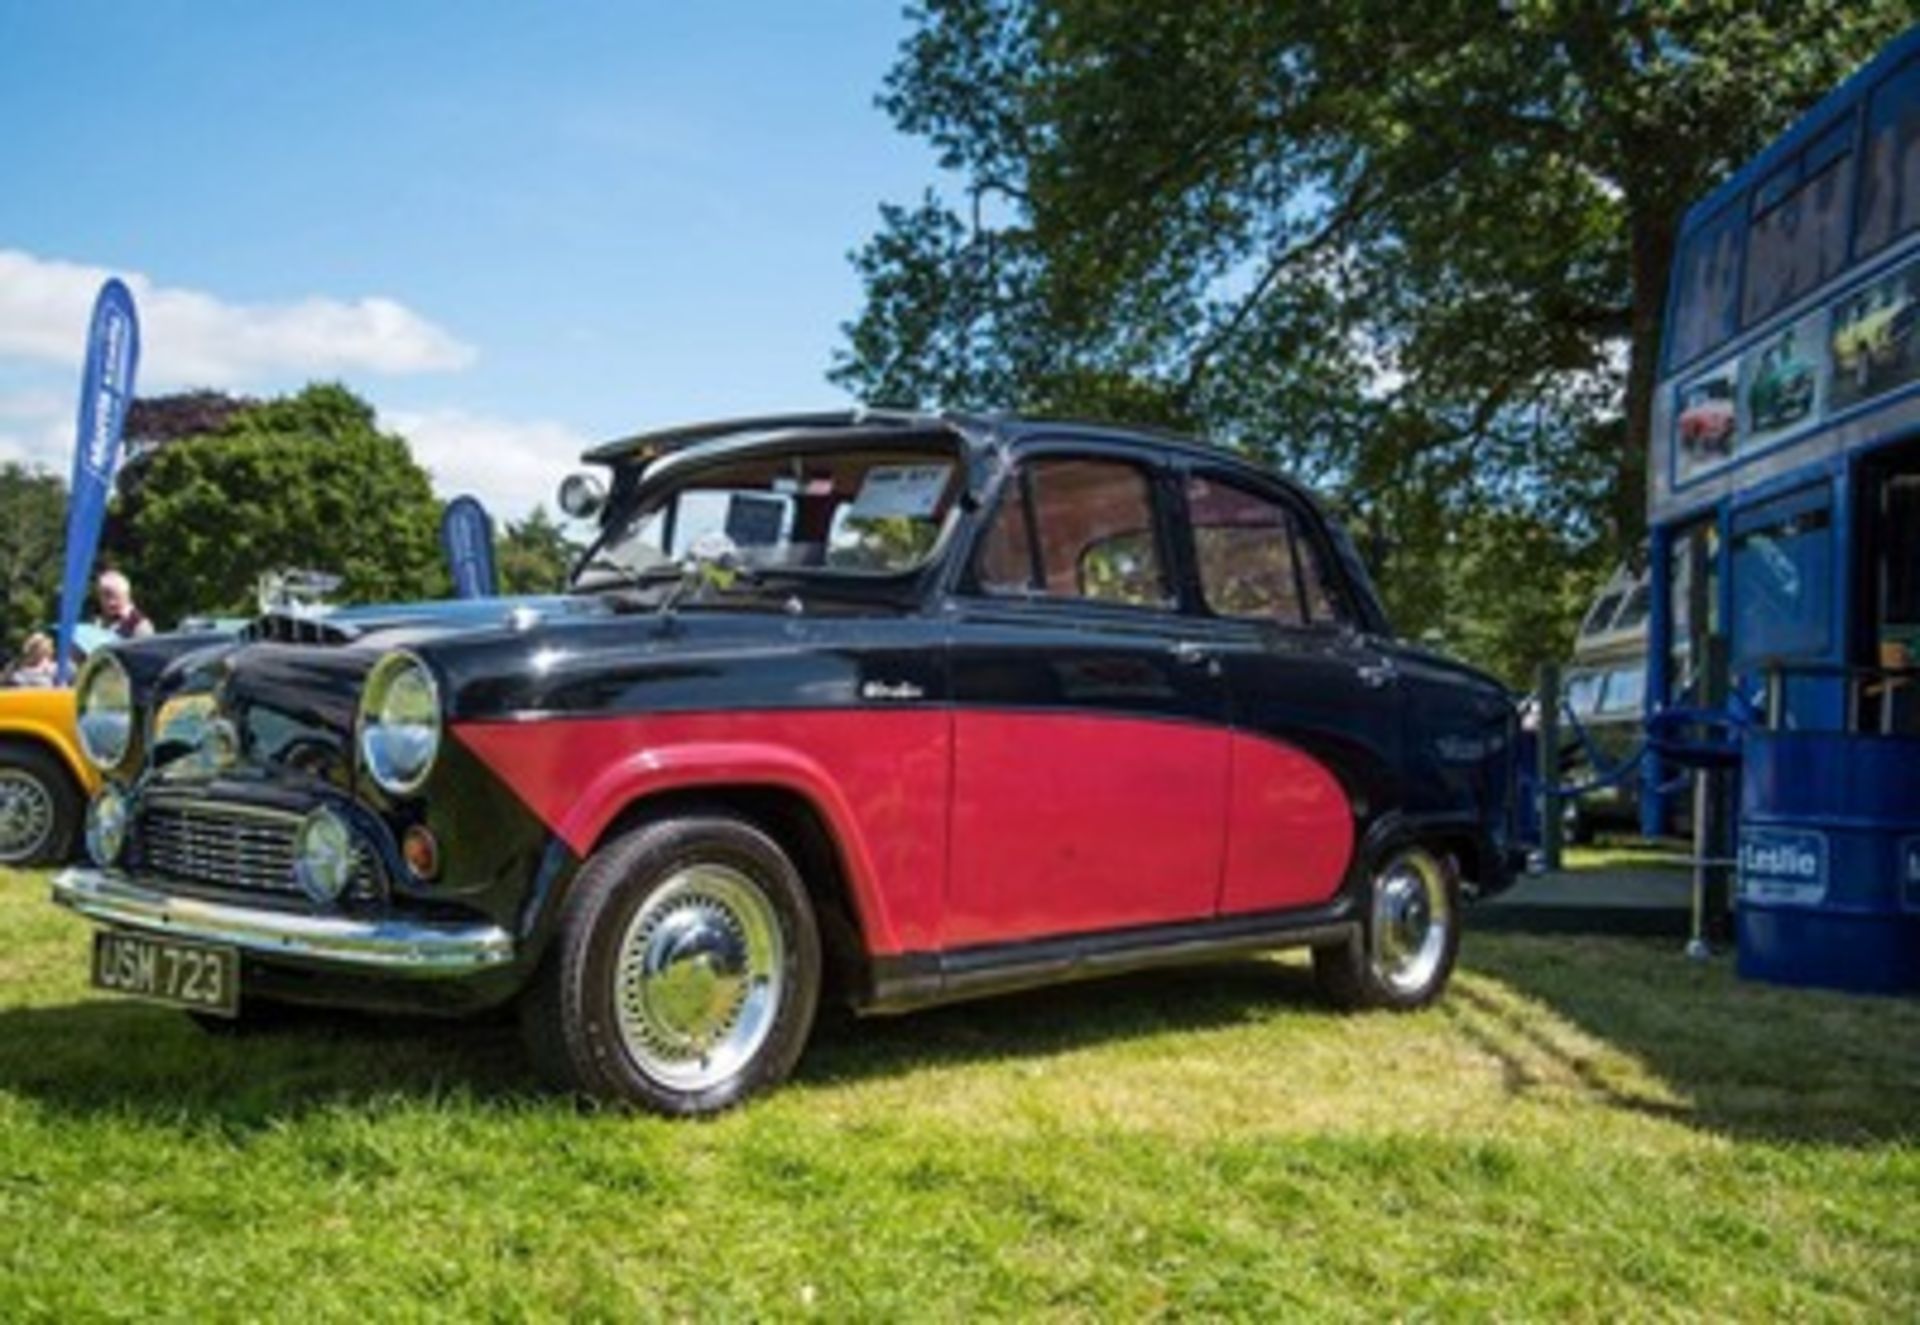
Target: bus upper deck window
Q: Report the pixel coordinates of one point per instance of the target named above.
(1890, 173)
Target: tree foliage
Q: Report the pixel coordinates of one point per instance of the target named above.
(304, 481)
(1415, 252)
(534, 555)
(33, 522)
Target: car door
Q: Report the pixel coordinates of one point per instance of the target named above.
(1315, 700)
(1090, 752)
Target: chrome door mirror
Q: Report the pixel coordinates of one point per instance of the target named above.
(582, 495)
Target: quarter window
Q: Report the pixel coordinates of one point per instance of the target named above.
(1076, 529)
(1255, 559)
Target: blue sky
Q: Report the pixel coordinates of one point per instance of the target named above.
(515, 228)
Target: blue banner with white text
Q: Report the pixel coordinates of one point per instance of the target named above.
(106, 389)
(466, 535)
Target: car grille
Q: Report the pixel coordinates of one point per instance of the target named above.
(226, 847)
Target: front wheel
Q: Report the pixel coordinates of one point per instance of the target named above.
(40, 807)
(685, 973)
(1405, 955)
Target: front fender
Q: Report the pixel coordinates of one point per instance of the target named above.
(46, 717)
(877, 781)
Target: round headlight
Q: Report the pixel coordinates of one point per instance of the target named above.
(103, 703)
(399, 723)
(106, 826)
(323, 856)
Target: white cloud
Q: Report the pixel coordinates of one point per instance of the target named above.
(190, 338)
(511, 465)
(37, 429)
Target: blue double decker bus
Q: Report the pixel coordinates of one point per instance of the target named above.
(1784, 506)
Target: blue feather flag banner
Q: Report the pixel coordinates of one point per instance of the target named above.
(466, 536)
(106, 389)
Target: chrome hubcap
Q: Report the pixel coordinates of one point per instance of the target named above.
(26, 815)
(1411, 921)
(701, 972)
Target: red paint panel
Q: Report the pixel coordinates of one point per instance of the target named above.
(1290, 834)
(1070, 822)
(880, 779)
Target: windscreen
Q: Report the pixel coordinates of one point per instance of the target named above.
(876, 511)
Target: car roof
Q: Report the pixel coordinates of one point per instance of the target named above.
(697, 442)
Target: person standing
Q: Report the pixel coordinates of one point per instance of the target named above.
(34, 666)
(117, 610)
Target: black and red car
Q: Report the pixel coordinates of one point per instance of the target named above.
(895, 709)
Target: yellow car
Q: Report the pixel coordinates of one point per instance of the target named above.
(44, 783)
(1874, 337)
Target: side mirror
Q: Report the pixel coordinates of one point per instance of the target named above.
(582, 495)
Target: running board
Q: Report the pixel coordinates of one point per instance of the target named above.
(917, 980)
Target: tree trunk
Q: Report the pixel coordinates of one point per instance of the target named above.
(1652, 241)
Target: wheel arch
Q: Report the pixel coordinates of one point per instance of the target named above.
(807, 834)
(24, 732)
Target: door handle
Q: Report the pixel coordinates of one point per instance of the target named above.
(1190, 652)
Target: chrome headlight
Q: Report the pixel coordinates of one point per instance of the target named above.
(323, 856)
(399, 724)
(106, 826)
(103, 703)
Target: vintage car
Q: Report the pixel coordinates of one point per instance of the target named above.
(884, 708)
(1707, 423)
(1782, 391)
(44, 781)
(1875, 335)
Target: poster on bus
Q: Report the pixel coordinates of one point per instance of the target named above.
(1874, 347)
(1780, 381)
(1707, 426)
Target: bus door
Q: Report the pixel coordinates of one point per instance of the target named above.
(1889, 535)
(1783, 605)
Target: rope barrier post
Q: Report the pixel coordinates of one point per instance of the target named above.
(1548, 753)
(1712, 820)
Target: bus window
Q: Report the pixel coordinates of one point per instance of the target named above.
(1900, 570)
(1583, 692)
(1600, 615)
(1706, 278)
(1890, 177)
(1798, 237)
(1782, 566)
(1626, 690)
(1699, 542)
(1633, 614)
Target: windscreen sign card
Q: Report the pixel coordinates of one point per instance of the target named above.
(1783, 866)
(909, 491)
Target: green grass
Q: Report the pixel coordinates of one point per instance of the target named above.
(1585, 1127)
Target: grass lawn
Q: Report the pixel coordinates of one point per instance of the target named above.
(1585, 1127)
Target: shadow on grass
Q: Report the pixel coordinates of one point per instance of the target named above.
(1744, 1059)
(106, 1057)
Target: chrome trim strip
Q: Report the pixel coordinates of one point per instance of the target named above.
(389, 947)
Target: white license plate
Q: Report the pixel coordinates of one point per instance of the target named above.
(201, 976)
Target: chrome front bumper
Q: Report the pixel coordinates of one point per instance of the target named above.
(383, 947)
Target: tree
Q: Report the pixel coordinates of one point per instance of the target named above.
(303, 481)
(157, 420)
(33, 524)
(534, 555)
(1412, 251)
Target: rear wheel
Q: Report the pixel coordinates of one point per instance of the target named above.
(40, 807)
(1405, 954)
(685, 973)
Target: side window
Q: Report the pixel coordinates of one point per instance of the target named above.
(1255, 559)
(1076, 529)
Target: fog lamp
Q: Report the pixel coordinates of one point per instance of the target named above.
(107, 826)
(324, 856)
(422, 851)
